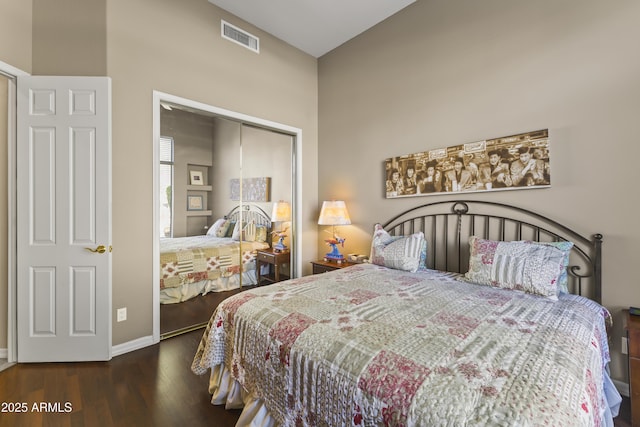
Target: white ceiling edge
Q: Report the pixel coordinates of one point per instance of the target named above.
(313, 26)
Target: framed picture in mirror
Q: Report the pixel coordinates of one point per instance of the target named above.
(196, 178)
(195, 203)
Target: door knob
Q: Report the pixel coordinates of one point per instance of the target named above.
(100, 249)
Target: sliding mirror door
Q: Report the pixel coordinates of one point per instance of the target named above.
(219, 180)
(268, 188)
(198, 262)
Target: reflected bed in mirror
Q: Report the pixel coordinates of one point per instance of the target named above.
(221, 260)
(197, 272)
(216, 146)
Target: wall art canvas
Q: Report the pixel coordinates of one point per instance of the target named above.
(253, 189)
(505, 163)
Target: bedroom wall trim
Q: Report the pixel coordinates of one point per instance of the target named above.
(294, 132)
(132, 345)
(12, 73)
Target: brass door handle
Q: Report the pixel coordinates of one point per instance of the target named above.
(100, 249)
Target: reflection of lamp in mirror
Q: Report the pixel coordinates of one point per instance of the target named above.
(334, 213)
(281, 213)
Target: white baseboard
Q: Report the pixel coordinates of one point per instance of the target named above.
(623, 388)
(129, 346)
(116, 350)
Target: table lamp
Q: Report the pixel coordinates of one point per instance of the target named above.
(334, 213)
(281, 213)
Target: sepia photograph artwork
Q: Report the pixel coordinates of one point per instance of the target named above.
(505, 163)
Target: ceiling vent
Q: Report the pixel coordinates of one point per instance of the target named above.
(236, 35)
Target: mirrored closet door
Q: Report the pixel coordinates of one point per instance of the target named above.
(220, 180)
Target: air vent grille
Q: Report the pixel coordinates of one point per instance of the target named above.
(237, 35)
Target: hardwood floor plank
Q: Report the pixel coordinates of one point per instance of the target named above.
(151, 386)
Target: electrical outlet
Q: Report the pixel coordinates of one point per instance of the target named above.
(625, 350)
(122, 314)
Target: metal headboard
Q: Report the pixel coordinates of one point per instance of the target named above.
(447, 226)
(249, 213)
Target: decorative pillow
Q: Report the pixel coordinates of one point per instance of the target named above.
(224, 228)
(233, 230)
(237, 231)
(423, 256)
(523, 265)
(261, 233)
(213, 230)
(249, 232)
(398, 252)
(565, 247)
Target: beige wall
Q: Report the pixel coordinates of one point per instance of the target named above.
(200, 138)
(69, 37)
(193, 142)
(15, 33)
(227, 135)
(443, 73)
(264, 154)
(173, 47)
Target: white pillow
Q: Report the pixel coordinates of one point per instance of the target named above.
(398, 252)
(215, 227)
(237, 231)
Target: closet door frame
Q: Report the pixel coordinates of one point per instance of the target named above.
(295, 133)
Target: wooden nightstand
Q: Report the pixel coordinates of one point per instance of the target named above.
(633, 335)
(272, 258)
(324, 266)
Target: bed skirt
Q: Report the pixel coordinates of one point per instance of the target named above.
(185, 292)
(225, 390)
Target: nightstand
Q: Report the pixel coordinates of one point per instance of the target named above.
(324, 266)
(633, 336)
(271, 258)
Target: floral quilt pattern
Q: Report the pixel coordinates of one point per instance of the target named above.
(372, 346)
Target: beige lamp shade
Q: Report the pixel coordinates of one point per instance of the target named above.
(281, 211)
(334, 212)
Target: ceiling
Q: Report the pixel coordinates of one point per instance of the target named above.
(313, 26)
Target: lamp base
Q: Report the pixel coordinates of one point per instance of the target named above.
(336, 260)
(280, 246)
(334, 255)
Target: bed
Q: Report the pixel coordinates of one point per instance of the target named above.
(472, 333)
(219, 261)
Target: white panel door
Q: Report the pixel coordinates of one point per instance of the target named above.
(64, 219)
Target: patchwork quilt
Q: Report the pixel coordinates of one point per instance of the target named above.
(186, 260)
(368, 345)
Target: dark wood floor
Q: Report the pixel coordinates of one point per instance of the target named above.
(153, 386)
